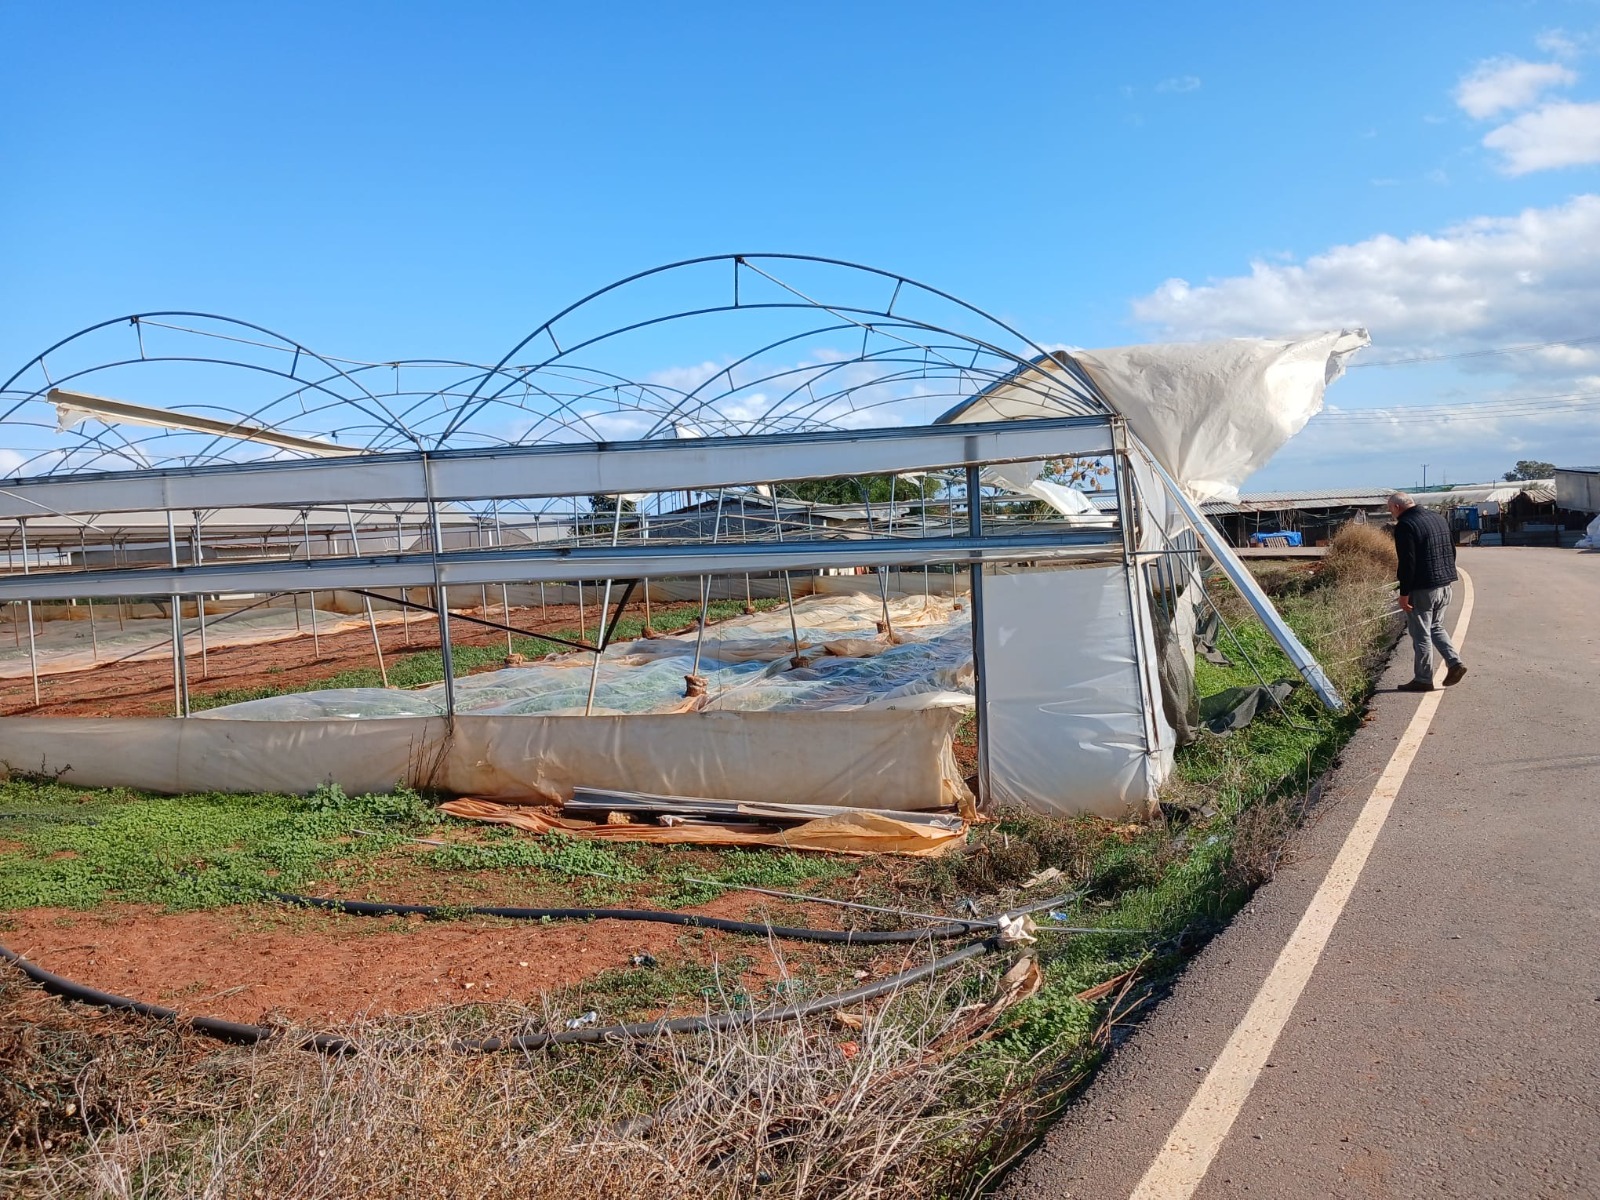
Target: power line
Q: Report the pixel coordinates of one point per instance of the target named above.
(1430, 358)
(1525, 406)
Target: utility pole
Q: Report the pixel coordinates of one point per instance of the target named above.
(1424, 476)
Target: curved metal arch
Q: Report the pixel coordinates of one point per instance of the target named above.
(746, 260)
(134, 319)
(564, 397)
(1090, 399)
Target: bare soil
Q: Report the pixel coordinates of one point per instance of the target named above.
(143, 688)
(272, 964)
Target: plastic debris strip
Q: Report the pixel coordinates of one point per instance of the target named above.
(1591, 536)
(748, 664)
(861, 832)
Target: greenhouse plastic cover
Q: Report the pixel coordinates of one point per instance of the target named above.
(1211, 412)
(886, 758)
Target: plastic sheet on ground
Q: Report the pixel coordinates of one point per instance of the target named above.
(847, 833)
(747, 663)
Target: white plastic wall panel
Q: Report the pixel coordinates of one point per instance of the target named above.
(1066, 725)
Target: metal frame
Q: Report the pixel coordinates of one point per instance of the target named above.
(572, 410)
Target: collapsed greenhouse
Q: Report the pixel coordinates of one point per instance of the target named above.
(1007, 533)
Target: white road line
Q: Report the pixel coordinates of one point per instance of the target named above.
(1182, 1163)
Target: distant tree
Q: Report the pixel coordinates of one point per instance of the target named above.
(1529, 468)
(851, 489)
(601, 503)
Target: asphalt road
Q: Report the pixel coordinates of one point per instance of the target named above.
(1448, 1041)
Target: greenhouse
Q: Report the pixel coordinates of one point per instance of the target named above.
(931, 526)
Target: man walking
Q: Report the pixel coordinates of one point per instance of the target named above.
(1427, 556)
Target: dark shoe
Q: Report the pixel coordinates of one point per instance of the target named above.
(1455, 674)
(1416, 685)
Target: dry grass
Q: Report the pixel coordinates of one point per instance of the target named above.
(114, 1108)
(1360, 553)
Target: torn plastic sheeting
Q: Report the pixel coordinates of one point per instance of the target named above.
(1235, 707)
(1211, 412)
(847, 833)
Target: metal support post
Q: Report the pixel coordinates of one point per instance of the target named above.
(979, 688)
(33, 655)
(372, 621)
(180, 664)
(605, 607)
(436, 543)
(311, 596)
(195, 557)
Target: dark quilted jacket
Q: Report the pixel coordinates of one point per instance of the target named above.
(1426, 550)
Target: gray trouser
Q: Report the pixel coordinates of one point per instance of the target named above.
(1426, 623)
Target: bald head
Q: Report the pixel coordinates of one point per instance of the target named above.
(1398, 502)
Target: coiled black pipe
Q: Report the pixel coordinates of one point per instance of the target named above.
(233, 1031)
(853, 937)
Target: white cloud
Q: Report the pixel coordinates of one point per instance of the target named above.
(1553, 135)
(1500, 85)
(1560, 43)
(1488, 283)
(1493, 281)
(1179, 83)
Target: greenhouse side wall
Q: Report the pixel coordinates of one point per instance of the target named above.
(881, 758)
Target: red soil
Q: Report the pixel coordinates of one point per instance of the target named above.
(320, 969)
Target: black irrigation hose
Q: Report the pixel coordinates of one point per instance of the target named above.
(368, 908)
(233, 1031)
(227, 1031)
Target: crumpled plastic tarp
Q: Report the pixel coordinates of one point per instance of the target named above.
(1211, 412)
(844, 833)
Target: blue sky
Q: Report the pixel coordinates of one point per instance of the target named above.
(403, 179)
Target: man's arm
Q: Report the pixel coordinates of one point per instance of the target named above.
(1405, 550)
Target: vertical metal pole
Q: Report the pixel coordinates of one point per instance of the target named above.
(399, 548)
(33, 655)
(441, 598)
(311, 596)
(605, 609)
(505, 594)
(1127, 520)
(979, 687)
(788, 588)
(195, 556)
(705, 587)
(180, 664)
(94, 634)
(372, 622)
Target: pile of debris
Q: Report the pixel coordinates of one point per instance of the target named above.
(640, 817)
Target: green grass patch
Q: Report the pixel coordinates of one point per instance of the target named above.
(81, 848)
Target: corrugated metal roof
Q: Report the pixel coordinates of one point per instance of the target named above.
(1541, 491)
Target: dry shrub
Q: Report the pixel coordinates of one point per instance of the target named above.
(1360, 553)
(798, 1109)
